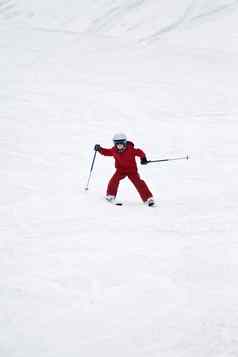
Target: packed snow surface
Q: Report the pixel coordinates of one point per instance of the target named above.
(81, 277)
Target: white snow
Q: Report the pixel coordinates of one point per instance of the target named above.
(83, 278)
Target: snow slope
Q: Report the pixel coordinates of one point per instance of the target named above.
(80, 277)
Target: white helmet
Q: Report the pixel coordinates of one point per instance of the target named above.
(119, 138)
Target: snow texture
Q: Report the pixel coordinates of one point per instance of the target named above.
(83, 278)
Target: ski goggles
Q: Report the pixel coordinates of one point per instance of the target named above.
(120, 142)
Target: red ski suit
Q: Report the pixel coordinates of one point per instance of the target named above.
(125, 164)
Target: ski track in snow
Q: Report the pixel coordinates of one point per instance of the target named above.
(80, 277)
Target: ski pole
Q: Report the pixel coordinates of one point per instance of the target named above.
(91, 169)
(175, 158)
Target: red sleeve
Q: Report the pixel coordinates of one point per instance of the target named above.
(140, 153)
(106, 152)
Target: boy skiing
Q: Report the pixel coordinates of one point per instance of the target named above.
(124, 154)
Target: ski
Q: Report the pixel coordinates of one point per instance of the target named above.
(150, 202)
(114, 202)
(118, 203)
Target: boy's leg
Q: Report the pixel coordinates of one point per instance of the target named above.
(113, 184)
(141, 186)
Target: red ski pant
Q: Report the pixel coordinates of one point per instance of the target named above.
(134, 177)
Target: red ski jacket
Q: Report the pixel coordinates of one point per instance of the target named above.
(124, 161)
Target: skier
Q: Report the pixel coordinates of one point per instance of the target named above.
(124, 154)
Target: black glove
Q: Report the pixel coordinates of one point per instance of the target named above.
(143, 160)
(97, 147)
